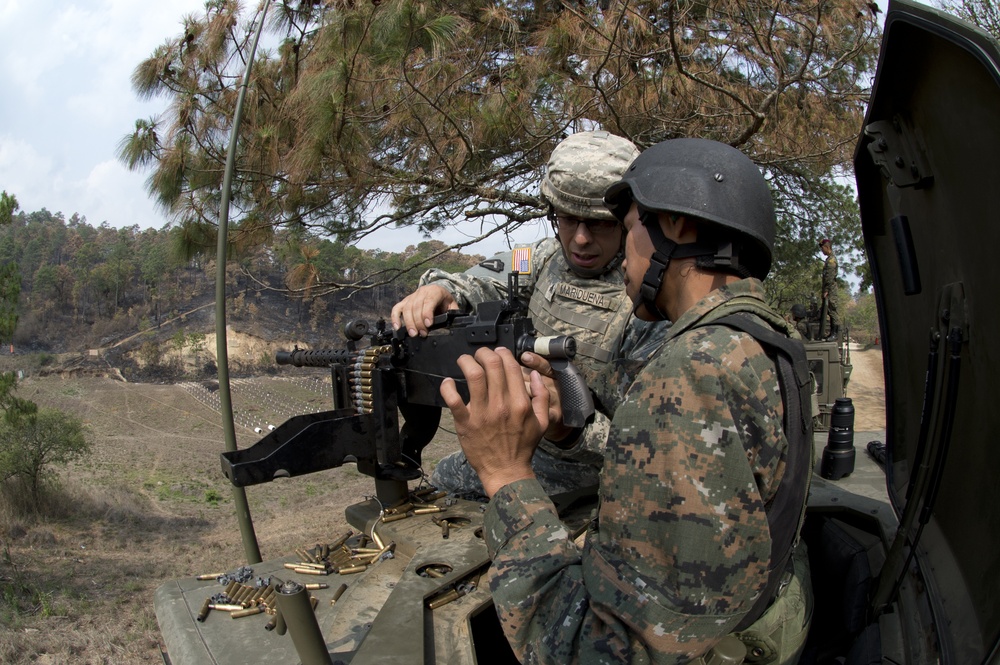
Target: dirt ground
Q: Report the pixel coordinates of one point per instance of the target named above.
(150, 504)
(867, 389)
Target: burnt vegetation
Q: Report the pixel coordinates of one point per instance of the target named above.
(129, 298)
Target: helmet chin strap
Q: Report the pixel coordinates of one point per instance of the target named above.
(665, 250)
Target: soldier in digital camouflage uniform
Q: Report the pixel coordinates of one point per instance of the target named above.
(573, 285)
(693, 547)
(829, 288)
(800, 318)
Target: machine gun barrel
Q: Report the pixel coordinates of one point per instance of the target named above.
(317, 358)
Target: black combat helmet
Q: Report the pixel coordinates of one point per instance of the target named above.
(706, 180)
(709, 182)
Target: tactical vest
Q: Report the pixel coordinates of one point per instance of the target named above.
(786, 511)
(594, 311)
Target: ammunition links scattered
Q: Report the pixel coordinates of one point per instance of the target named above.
(420, 502)
(338, 557)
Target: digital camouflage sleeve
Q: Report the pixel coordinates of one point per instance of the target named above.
(681, 546)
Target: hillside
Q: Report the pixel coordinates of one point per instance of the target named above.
(151, 505)
(80, 288)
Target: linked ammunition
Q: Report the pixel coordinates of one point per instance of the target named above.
(231, 587)
(250, 611)
(206, 607)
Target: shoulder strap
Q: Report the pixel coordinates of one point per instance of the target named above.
(787, 508)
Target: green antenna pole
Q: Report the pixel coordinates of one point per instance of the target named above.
(250, 546)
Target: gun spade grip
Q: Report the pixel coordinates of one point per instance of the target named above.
(574, 395)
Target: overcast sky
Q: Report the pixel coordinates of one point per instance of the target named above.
(66, 101)
(65, 70)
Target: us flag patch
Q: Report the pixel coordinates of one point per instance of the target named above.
(521, 260)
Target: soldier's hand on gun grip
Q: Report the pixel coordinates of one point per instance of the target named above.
(502, 424)
(417, 310)
(557, 430)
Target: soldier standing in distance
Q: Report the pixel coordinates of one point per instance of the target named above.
(573, 285)
(829, 288)
(707, 462)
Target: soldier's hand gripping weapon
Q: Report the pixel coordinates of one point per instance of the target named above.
(396, 374)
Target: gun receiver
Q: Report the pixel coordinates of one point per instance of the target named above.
(396, 374)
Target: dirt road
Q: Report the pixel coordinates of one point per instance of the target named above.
(867, 390)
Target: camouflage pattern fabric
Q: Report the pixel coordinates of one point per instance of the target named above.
(595, 311)
(598, 324)
(830, 287)
(555, 473)
(802, 328)
(680, 546)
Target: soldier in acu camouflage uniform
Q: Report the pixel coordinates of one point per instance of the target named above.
(573, 286)
(694, 545)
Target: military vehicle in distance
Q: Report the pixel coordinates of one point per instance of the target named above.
(829, 363)
(905, 562)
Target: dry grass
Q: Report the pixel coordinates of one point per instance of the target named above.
(151, 504)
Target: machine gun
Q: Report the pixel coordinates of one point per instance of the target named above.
(395, 374)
